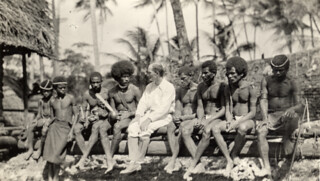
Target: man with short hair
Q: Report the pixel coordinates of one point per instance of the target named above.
(210, 108)
(63, 109)
(154, 110)
(280, 105)
(124, 98)
(95, 114)
(185, 112)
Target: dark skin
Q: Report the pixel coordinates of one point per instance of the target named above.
(278, 94)
(90, 102)
(131, 95)
(210, 102)
(184, 115)
(42, 119)
(63, 108)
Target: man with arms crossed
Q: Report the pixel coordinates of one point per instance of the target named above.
(210, 108)
(186, 105)
(154, 110)
(279, 107)
(124, 98)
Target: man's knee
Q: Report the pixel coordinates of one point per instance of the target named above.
(216, 130)
(206, 133)
(186, 131)
(262, 132)
(243, 128)
(171, 127)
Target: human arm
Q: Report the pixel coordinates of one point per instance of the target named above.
(263, 103)
(222, 100)
(75, 113)
(297, 104)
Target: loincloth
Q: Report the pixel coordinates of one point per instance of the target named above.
(277, 120)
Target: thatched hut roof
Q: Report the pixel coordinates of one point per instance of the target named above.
(26, 26)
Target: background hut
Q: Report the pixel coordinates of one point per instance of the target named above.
(25, 28)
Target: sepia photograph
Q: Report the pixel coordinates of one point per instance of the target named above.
(159, 90)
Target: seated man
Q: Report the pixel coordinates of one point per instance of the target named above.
(185, 112)
(210, 108)
(124, 98)
(42, 120)
(154, 110)
(279, 107)
(241, 100)
(95, 114)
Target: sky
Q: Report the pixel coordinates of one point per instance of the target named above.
(125, 17)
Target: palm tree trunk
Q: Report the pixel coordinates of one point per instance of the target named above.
(1, 85)
(25, 87)
(315, 23)
(181, 32)
(254, 40)
(213, 28)
(246, 33)
(158, 26)
(41, 68)
(167, 27)
(196, 2)
(56, 23)
(233, 32)
(94, 35)
(311, 29)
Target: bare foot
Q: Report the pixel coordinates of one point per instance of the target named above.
(236, 160)
(199, 168)
(80, 165)
(187, 175)
(264, 172)
(36, 155)
(28, 154)
(111, 165)
(229, 167)
(170, 166)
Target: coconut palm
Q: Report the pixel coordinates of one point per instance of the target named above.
(92, 5)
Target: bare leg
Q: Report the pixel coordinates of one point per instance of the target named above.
(92, 140)
(216, 131)
(263, 147)
(30, 136)
(79, 138)
(117, 128)
(174, 143)
(186, 131)
(240, 139)
(106, 145)
(288, 144)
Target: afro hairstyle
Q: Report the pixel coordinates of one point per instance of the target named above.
(280, 61)
(211, 64)
(120, 68)
(239, 64)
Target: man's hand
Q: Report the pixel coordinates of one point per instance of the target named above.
(70, 137)
(124, 115)
(145, 124)
(200, 123)
(176, 118)
(232, 125)
(262, 123)
(290, 113)
(86, 124)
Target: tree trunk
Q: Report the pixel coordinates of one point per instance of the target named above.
(213, 28)
(41, 68)
(254, 40)
(158, 26)
(56, 24)
(94, 35)
(185, 49)
(25, 87)
(167, 27)
(311, 29)
(197, 28)
(1, 86)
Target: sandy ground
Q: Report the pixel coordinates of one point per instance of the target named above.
(18, 169)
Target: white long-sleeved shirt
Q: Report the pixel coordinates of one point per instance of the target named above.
(158, 101)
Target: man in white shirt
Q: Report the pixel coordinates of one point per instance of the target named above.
(154, 110)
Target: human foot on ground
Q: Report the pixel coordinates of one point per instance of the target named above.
(229, 168)
(133, 167)
(236, 160)
(199, 168)
(28, 154)
(111, 165)
(36, 155)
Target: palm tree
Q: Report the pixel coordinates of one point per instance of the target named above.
(56, 27)
(104, 10)
(181, 31)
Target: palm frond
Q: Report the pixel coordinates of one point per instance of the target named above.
(129, 45)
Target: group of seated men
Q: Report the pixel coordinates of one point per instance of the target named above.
(208, 108)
